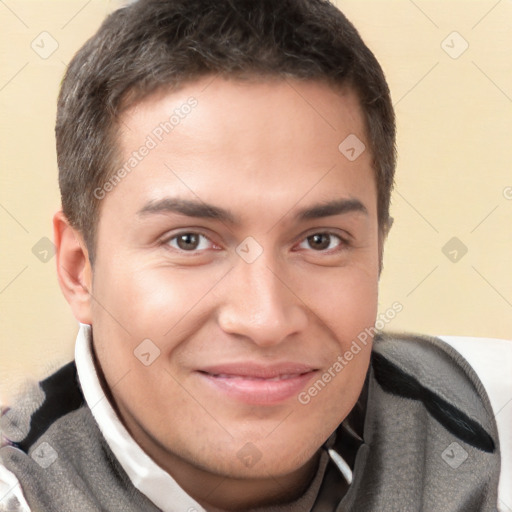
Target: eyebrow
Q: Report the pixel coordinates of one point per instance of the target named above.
(336, 207)
(188, 208)
(208, 211)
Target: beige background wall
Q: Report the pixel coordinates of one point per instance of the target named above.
(454, 177)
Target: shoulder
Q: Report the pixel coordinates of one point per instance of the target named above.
(11, 495)
(56, 457)
(40, 407)
(491, 358)
(427, 369)
(24, 427)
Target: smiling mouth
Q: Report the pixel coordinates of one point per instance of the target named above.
(258, 385)
(248, 377)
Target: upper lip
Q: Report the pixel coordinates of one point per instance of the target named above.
(258, 371)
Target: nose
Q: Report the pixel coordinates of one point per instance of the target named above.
(260, 305)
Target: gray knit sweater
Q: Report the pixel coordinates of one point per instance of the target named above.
(422, 437)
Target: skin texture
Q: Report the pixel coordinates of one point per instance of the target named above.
(263, 150)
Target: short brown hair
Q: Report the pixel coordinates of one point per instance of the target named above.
(151, 44)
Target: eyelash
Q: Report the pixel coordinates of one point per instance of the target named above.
(168, 241)
(343, 243)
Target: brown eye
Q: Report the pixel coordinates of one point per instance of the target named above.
(319, 241)
(189, 242)
(323, 241)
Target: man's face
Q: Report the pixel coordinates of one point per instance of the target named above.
(244, 245)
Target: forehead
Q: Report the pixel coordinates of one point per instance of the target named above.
(271, 105)
(232, 140)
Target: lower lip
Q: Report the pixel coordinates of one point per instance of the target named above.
(259, 391)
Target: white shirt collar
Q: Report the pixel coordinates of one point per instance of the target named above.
(144, 473)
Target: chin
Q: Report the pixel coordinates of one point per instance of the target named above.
(267, 458)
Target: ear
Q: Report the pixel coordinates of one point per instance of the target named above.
(383, 234)
(73, 268)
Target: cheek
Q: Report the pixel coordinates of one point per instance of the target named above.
(152, 301)
(346, 303)
(330, 398)
(135, 304)
(345, 299)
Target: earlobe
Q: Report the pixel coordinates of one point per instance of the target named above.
(73, 268)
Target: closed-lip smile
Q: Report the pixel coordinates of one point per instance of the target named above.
(256, 383)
